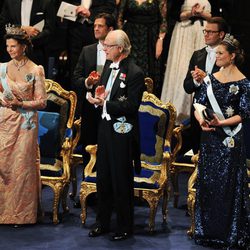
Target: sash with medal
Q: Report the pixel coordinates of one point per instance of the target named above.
(229, 140)
(122, 127)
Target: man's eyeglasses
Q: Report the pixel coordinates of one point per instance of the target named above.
(209, 32)
(109, 46)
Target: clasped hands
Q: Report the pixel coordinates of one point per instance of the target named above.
(31, 31)
(197, 9)
(12, 103)
(100, 96)
(208, 125)
(198, 74)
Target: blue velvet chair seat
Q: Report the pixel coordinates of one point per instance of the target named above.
(48, 135)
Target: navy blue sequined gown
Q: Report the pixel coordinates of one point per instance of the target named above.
(222, 198)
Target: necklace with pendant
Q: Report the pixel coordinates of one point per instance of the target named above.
(19, 66)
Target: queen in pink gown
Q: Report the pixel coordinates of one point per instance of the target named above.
(22, 92)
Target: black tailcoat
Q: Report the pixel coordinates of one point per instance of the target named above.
(117, 151)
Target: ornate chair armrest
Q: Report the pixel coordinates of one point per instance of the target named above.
(178, 137)
(91, 149)
(67, 151)
(77, 134)
(149, 84)
(195, 159)
(177, 134)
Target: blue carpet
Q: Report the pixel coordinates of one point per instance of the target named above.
(69, 234)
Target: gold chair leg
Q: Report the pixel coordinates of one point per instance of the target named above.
(153, 202)
(83, 215)
(191, 204)
(191, 201)
(57, 191)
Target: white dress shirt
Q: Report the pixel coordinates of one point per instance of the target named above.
(26, 12)
(101, 58)
(114, 72)
(210, 61)
(211, 58)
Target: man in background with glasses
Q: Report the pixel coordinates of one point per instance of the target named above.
(201, 63)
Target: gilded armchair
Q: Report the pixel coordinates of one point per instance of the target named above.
(56, 142)
(156, 127)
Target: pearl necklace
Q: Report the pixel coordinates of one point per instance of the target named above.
(19, 66)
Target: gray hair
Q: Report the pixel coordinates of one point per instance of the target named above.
(122, 40)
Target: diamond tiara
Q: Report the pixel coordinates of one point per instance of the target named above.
(230, 40)
(14, 30)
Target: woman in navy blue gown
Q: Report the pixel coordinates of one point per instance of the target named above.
(222, 198)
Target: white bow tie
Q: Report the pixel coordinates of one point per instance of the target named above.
(114, 66)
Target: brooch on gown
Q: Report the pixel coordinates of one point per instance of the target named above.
(233, 89)
(29, 77)
(229, 111)
(122, 127)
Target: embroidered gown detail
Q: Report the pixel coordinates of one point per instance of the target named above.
(222, 194)
(19, 153)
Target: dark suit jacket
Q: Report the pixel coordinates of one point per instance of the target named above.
(90, 115)
(41, 10)
(131, 92)
(86, 63)
(198, 58)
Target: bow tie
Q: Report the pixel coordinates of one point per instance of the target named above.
(210, 50)
(114, 66)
